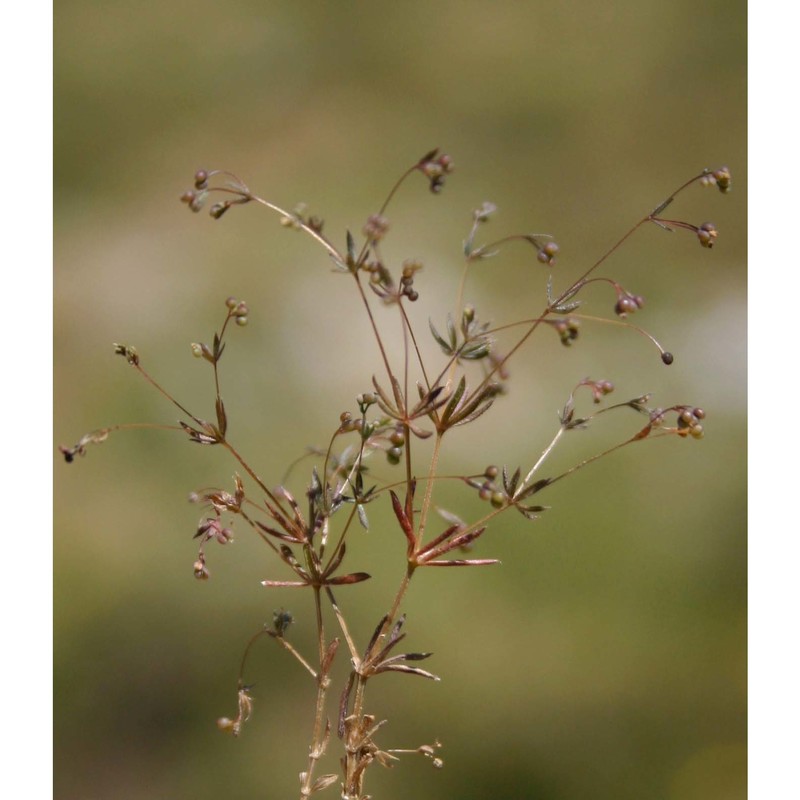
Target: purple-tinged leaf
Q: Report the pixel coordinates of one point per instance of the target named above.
(336, 560)
(404, 522)
(353, 577)
(409, 506)
(446, 534)
(286, 537)
(457, 541)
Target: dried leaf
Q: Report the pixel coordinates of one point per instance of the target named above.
(199, 437)
(344, 701)
(408, 670)
(330, 654)
(323, 782)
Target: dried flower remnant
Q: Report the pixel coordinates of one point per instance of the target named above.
(245, 709)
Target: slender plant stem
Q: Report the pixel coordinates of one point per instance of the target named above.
(323, 681)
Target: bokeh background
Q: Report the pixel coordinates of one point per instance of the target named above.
(606, 657)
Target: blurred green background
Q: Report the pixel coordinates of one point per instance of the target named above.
(606, 657)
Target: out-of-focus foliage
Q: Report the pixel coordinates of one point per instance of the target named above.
(606, 657)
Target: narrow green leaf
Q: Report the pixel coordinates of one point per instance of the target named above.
(537, 486)
(455, 399)
(440, 340)
(451, 332)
